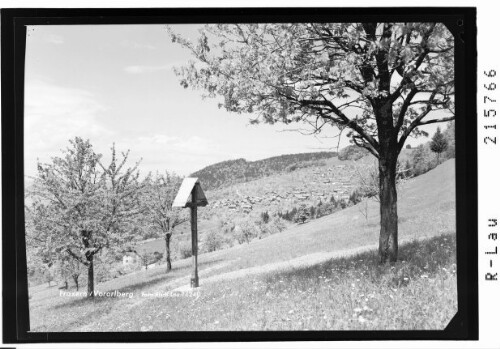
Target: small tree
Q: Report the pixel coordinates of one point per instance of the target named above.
(69, 268)
(439, 144)
(265, 217)
(157, 200)
(80, 206)
(421, 160)
(312, 212)
(213, 240)
(449, 134)
(302, 214)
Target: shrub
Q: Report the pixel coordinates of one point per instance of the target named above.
(262, 229)
(422, 160)
(214, 241)
(278, 224)
(118, 270)
(302, 214)
(312, 212)
(326, 209)
(185, 249)
(355, 197)
(265, 217)
(245, 232)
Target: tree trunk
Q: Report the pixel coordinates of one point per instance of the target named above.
(90, 278)
(167, 251)
(75, 279)
(388, 241)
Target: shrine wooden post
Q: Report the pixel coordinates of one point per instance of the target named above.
(194, 237)
(191, 195)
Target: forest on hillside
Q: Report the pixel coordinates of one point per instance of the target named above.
(240, 170)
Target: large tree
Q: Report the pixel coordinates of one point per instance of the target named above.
(79, 206)
(157, 199)
(380, 81)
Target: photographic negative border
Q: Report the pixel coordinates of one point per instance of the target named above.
(461, 21)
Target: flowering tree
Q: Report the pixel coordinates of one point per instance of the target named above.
(80, 206)
(379, 81)
(157, 199)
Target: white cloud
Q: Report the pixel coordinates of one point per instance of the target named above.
(55, 114)
(139, 69)
(55, 39)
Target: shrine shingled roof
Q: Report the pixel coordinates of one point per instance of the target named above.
(183, 197)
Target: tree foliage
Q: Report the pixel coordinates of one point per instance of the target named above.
(328, 73)
(439, 143)
(378, 81)
(79, 205)
(156, 201)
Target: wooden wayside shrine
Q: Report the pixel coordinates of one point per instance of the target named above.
(191, 195)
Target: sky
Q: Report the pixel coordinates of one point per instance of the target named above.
(115, 84)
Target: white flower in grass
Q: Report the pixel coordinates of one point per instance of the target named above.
(361, 319)
(357, 310)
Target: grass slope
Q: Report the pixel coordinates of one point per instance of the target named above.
(415, 293)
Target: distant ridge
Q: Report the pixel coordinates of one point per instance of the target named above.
(240, 170)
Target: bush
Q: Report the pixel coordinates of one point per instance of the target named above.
(303, 214)
(265, 217)
(118, 270)
(277, 225)
(185, 249)
(422, 160)
(326, 209)
(245, 232)
(262, 229)
(214, 241)
(355, 197)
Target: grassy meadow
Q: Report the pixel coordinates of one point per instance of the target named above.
(320, 275)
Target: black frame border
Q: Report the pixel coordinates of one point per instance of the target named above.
(461, 21)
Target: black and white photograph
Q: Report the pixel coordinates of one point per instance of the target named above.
(241, 176)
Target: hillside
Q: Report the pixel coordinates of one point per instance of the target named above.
(282, 191)
(275, 193)
(304, 256)
(238, 171)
